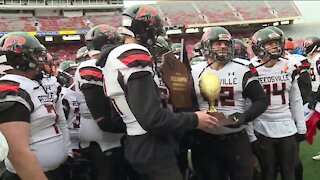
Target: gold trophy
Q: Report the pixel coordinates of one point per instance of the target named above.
(210, 88)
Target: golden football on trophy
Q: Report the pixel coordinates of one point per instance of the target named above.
(210, 88)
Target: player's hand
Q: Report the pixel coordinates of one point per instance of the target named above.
(238, 118)
(206, 122)
(300, 137)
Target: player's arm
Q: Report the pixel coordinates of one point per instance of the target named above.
(304, 82)
(144, 100)
(250, 132)
(258, 97)
(62, 124)
(99, 105)
(253, 90)
(16, 128)
(102, 110)
(66, 108)
(296, 107)
(304, 79)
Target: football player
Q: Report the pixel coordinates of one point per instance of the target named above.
(274, 141)
(28, 116)
(198, 56)
(129, 83)
(300, 66)
(100, 138)
(240, 50)
(311, 48)
(69, 99)
(225, 152)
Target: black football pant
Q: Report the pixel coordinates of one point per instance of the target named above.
(55, 174)
(299, 168)
(277, 154)
(168, 173)
(110, 164)
(223, 157)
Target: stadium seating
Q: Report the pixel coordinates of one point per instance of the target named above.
(8, 24)
(181, 13)
(284, 8)
(217, 12)
(176, 13)
(255, 10)
(184, 13)
(64, 51)
(110, 18)
(61, 23)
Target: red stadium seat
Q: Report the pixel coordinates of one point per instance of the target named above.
(285, 8)
(180, 13)
(110, 18)
(217, 11)
(255, 10)
(57, 23)
(9, 24)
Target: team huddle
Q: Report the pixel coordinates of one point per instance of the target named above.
(109, 114)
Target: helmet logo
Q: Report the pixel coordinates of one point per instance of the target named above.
(147, 13)
(12, 41)
(224, 36)
(104, 29)
(108, 30)
(273, 35)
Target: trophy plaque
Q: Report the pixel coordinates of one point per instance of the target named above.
(210, 88)
(178, 80)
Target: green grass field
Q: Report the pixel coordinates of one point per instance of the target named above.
(310, 166)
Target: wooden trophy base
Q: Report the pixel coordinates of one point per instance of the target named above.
(222, 119)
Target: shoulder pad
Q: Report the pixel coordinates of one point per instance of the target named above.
(135, 57)
(12, 88)
(8, 88)
(132, 55)
(248, 64)
(317, 58)
(241, 61)
(91, 73)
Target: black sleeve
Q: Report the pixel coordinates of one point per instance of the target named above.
(17, 112)
(101, 107)
(66, 108)
(144, 100)
(256, 94)
(304, 82)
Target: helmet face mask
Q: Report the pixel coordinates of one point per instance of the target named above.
(281, 34)
(273, 48)
(82, 54)
(240, 49)
(310, 45)
(66, 72)
(197, 49)
(160, 47)
(221, 49)
(267, 43)
(217, 43)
